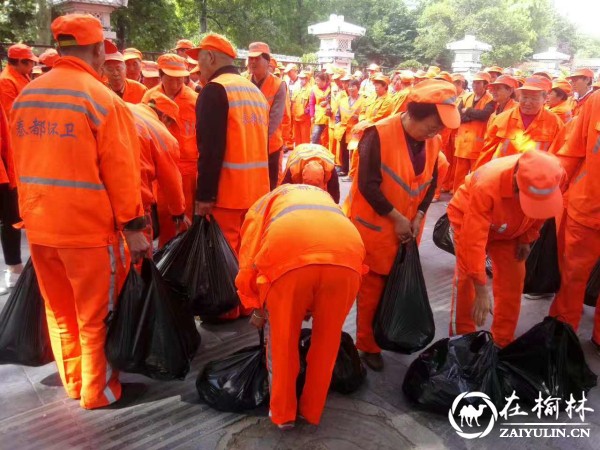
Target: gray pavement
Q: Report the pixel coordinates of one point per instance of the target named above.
(35, 413)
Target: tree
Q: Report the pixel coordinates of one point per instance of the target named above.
(17, 19)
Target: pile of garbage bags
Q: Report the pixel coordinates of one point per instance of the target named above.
(542, 275)
(547, 359)
(592, 290)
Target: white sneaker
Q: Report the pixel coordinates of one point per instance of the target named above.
(10, 278)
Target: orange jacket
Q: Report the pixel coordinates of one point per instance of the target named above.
(399, 100)
(11, 84)
(510, 104)
(563, 110)
(299, 101)
(159, 154)
(320, 117)
(133, 92)
(579, 104)
(7, 170)
(77, 158)
(487, 209)
(270, 88)
(303, 212)
(401, 188)
(580, 156)
(349, 114)
(245, 170)
(507, 135)
(377, 108)
(470, 135)
(185, 129)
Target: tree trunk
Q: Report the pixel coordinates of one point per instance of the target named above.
(203, 16)
(43, 20)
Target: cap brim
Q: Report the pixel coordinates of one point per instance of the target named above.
(254, 54)
(114, 58)
(34, 58)
(176, 73)
(531, 88)
(130, 56)
(150, 73)
(109, 47)
(551, 206)
(193, 53)
(449, 115)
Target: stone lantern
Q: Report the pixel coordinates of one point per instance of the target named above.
(97, 8)
(467, 55)
(550, 60)
(336, 37)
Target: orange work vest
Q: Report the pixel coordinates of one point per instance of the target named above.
(300, 99)
(321, 111)
(377, 108)
(309, 152)
(11, 84)
(347, 113)
(563, 110)
(270, 88)
(245, 171)
(133, 92)
(470, 135)
(77, 157)
(400, 186)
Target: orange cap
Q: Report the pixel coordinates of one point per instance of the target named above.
(457, 77)
(21, 51)
(582, 73)
(150, 69)
(314, 174)
(506, 80)
(563, 85)
(273, 63)
(84, 29)
(538, 177)
(117, 56)
(37, 70)
(406, 76)
(346, 77)
(289, 67)
(132, 53)
(381, 77)
(184, 43)
(482, 76)
(302, 74)
(440, 93)
(536, 84)
(195, 70)
(495, 69)
(374, 67)
(173, 65)
(163, 103)
(421, 74)
(258, 48)
(443, 75)
(216, 42)
(49, 57)
(541, 73)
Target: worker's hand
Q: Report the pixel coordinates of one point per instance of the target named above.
(482, 305)
(182, 223)
(402, 227)
(137, 243)
(203, 208)
(463, 111)
(323, 104)
(416, 224)
(258, 318)
(523, 251)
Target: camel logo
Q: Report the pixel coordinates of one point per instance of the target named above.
(469, 415)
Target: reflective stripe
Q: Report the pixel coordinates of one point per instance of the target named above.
(246, 89)
(293, 208)
(122, 250)
(269, 353)
(538, 191)
(403, 185)
(302, 155)
(153, 131)
(368, 224)
(255, 103)
(245, 166)
(62, 183)
(597, 146)
(113, 278)
(504, 148)
(70, 92)
(579, 177)
(59, 106)
(109, 395)
(175, 65)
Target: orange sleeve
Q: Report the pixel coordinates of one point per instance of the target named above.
(474, 233)
(169, 179)
(119, 163)
(490, 146)
(572, 152)
(8, 94)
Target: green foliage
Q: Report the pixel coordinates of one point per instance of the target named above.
(309, 58)
(17, 20)
(410, 64)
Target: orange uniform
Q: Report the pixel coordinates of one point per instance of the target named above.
(315, 272)
(507, 135)
(486, 216)
(185, 133)
(510, 104)
(11, 84)
(300, 115)
(7, 169)
(77, 158)
(405, 191)
(581, 158)
(469, 138)
(133, 91)
(563, 110)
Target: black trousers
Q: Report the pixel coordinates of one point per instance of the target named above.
(344, 155)
(274, 168)
(9, 215)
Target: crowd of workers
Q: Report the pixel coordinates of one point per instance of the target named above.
(100, 137)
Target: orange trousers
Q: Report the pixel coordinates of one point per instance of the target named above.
(165, 219)
(463, 168)
(442, 167)
(369, 295)
(80, 286)
(327, 291)
(353, 164)
(301, 131)
(509, 278)
(230, 221)
(582, 249)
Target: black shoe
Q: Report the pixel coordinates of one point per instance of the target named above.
(373, 360)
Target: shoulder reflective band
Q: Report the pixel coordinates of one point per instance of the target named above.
(245, 166)
(62, 183)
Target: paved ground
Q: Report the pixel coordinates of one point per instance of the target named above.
(34, 412)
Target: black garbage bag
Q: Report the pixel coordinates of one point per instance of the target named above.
(24, 335)
(166, 249)
(151, 331)
(238, 382)
(404, 322)
(542, 275)
(442, 234)
(592, 290)
(348, 374)
(452, 366)
(547, 359)
(203, 265)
